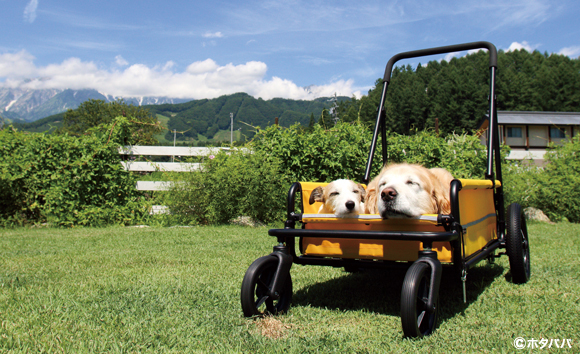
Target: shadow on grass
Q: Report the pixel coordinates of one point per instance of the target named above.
(379, 290)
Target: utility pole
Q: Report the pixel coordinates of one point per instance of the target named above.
(174, 133)
(232, 128)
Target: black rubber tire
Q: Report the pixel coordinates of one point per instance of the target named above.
(517, 244)
(416, 320)
(257, 281)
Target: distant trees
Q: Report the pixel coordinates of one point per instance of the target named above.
(207, 117)
(93, 113)
(456, 92)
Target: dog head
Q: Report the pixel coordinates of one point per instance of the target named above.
(341, 197)
(409, 190)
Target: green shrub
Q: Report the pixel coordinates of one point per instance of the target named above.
(66, 180)
(342, 151)
(317, 155)
(520, 182)
(463, 155)
(229, 185)
(554, 188)
(559, 192)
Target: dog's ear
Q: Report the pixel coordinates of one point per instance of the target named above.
(371, 198)
(317, 195)
(441, 190)
(441, 199)
(362, 191)
(442, 175)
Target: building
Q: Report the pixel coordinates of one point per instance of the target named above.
(530, 133)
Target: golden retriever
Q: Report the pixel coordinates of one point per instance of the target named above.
(341, 197)
(408, 190)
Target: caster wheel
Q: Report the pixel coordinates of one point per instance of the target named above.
(416, 320)
(517, 244)
(257, 282)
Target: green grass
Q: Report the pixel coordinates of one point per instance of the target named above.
(177, 290)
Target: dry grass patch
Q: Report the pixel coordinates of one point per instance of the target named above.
(272, 327)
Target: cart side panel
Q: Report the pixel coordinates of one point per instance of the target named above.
(478, 215)
(360, 248)
(372, 249)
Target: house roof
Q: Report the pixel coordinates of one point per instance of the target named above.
(532, 118)
(543, 118)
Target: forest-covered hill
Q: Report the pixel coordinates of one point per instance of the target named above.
(456, 92)
(208, 116)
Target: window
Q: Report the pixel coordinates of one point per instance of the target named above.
(514, 132)
(557, 133)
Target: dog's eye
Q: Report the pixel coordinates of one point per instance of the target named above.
(333, 194)
(356, 191)
(410, 183)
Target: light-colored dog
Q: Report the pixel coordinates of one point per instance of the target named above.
(408, 190)
(342, 197)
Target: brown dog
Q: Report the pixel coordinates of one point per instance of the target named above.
(409, 190)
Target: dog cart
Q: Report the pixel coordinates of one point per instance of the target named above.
(477, 226)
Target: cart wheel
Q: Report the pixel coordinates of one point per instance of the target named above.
(416, 320)
(257, 281)
(517, 244)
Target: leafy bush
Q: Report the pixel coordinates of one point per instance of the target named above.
(240, 183)
(559, 191)
(554, 188)
(317, 155)
(342, 151)
(66, 180)
(140, 126)
(520, 182)
(463, 155)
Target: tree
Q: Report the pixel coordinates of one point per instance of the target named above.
(94, 113)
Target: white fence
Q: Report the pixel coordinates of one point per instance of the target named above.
(173, 151)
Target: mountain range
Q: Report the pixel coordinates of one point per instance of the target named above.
(185, 120)
(29, 105)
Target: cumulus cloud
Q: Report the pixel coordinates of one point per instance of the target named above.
(450, 56)
(572, 52)
(201, 79)
(17, 66)
(30, 11)
(519, 46)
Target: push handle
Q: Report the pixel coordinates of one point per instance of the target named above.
(441, 50)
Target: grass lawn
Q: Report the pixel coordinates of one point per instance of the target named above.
(177, 290)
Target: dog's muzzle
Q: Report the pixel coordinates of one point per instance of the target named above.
(388, 194)
(388, 197)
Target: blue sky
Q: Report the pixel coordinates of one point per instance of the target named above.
(293, 49)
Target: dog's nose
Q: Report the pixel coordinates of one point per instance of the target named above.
(388, 194)
(349, 205)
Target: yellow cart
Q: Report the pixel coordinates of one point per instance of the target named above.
(476, 227)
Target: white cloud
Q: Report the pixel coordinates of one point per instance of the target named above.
(212, 35)
(17, 66)
(201, 67)
(572, 52)
(519, 46)
(119, 60)
(450, 56)
(30, 11)
(202, 79)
